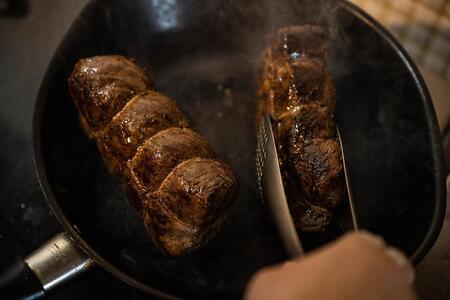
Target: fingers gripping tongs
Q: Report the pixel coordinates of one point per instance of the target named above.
(270, 185)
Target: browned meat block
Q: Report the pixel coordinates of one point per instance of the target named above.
(318, 166)
(156, 158)
(304, 123)
(189, 203)
(296, 89)
(177, 188)
(292, 71)
(142, 117)
(309, 136)
(101, 85)
(173, 237)
(306, 216)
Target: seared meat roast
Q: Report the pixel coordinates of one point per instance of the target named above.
(169, 172)
(157, 157)
(197, 191)
(100, 86)
(141, 118)
(297, 91)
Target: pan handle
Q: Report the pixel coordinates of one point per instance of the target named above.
(48, 267)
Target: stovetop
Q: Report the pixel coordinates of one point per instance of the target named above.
(30, 31)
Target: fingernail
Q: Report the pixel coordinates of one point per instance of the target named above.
(372, 238)
(402, 262)
(397, 257)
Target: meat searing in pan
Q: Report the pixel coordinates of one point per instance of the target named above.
(296, 89)
(169, 172)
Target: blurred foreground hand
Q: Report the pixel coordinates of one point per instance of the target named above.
(355, 267)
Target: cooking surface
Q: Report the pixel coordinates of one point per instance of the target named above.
(27, 43)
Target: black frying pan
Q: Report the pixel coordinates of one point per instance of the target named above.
(203, 54)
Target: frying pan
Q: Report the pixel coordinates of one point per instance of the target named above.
(203, 54)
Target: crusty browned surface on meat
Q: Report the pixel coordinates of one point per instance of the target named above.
(194, 195)
(168, 170)
(293, 71)
(296, 89)
(142, 117)
(102, 85)
(157, 156)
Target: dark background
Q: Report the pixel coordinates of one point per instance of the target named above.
(30, 31)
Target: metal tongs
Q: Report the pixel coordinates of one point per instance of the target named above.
(270, 185)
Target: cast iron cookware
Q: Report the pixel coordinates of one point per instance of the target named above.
(203, 55)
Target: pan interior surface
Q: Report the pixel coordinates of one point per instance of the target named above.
(203, 54)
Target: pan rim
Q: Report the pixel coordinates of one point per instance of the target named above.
(426, 244)
(439, 210)
(41, 173)
(71, 229)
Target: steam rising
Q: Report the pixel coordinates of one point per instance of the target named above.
(166, 13)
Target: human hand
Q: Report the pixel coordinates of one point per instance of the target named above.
(357, 266)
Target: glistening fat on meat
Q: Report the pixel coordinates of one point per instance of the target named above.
(157, 157)
(169, 171)
(297, 90)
